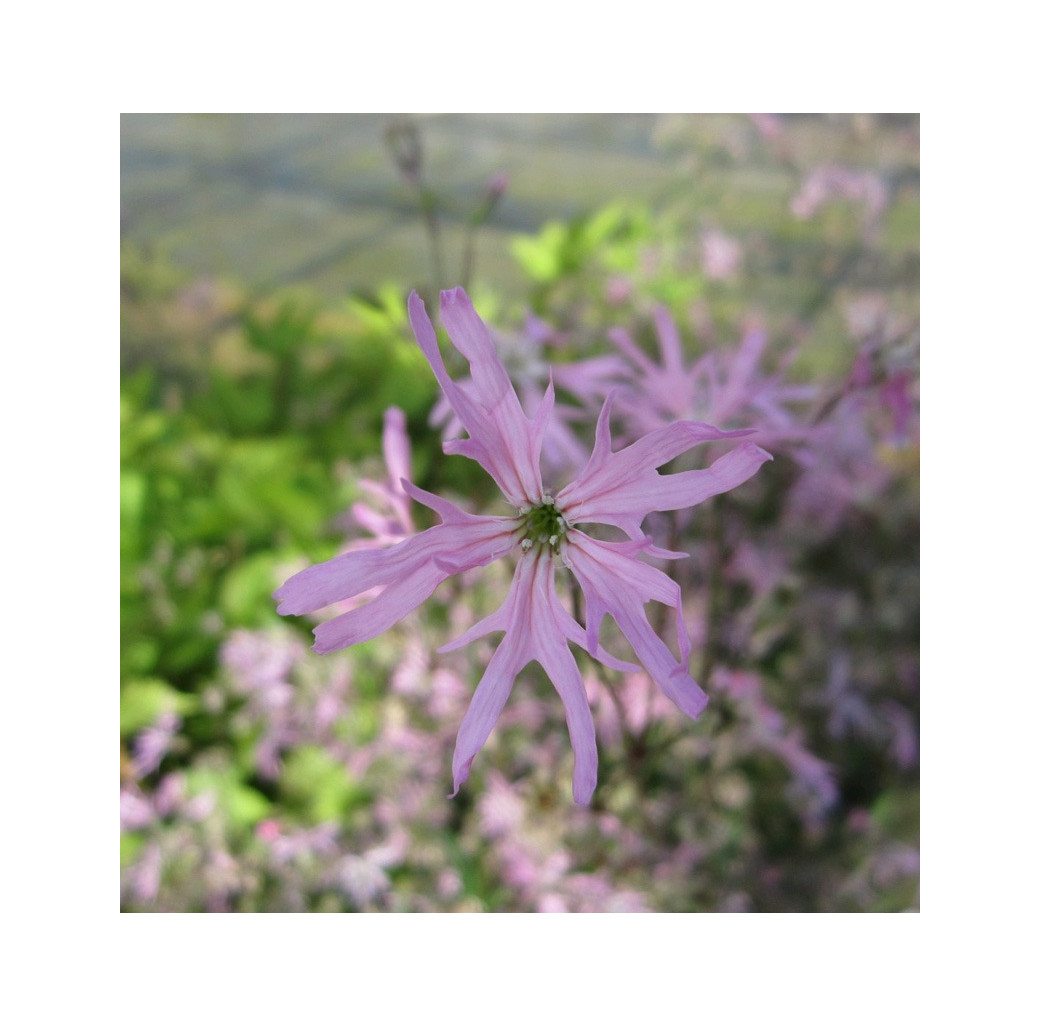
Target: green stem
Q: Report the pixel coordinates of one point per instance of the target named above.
(715, 556)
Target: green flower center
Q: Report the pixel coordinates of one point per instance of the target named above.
(542, 526)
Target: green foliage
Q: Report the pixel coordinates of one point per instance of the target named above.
(143, 700)
(130, 846)
(245, 591)
(607, 241)
(281, 334)
(243, 806)
(318, 787)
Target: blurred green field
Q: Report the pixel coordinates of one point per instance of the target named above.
(273, 199)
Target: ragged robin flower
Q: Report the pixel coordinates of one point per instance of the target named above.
(543, 534)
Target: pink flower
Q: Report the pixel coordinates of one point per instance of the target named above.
(728, 387)
(497, 185)
(831, 182)
(614, 488)
(769, 126)
(720, 255)
(525, 356)
(153, 743)
(388, 516)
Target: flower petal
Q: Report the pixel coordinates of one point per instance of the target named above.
(680, 491)
(621, 488)
(397, 447)
(410, 572)
(668, 341)
(484, 710)
(532, 619)
(615, 582)
(502, 439)
(624, 341)
(556, 659)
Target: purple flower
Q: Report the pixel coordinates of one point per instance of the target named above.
(831, 182)
(720, 255)
(525, 356)
(497, 185)
(388, 514)
(725, 386)
(614, 488)
(152, 744)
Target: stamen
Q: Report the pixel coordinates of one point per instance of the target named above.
(542, 525)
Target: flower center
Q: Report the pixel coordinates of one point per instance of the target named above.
(542, 525)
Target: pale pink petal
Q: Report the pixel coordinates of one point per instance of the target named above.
(410, 571)
(562, 670)
(576, 633)
(747, 357)
(397, 448)
(615, 582)
(501, 437)
(484, 710)
(342, 577)
(531, 618)
(550, 649)
(680, 491)
(415, 585)
(397, 453)
(562, 624)
(591, 379)
(621, 488)
(668, 340)
(471, 337)
(444, 508)
(375, 523)
(512, 655)
(497, 621)
(624, 341)
(670, 676)
(479, 541)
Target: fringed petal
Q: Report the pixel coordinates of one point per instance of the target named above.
(502, 439)
(622, 488)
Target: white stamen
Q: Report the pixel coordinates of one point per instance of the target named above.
(523, 510)
(547, 499)
(552, 539)
(526, 544)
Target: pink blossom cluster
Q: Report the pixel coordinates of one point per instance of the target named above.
(830, 182)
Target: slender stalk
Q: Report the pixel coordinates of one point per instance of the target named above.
(468, 255)
(715, 556)
(428, 206)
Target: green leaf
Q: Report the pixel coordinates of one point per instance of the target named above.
(143, 700)
(314, 779)
(243, 805)
(541, 256)
(129, 847)
(284, 332)
(245, 592)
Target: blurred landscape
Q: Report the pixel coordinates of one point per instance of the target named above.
(289, 199)
(265, 265)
